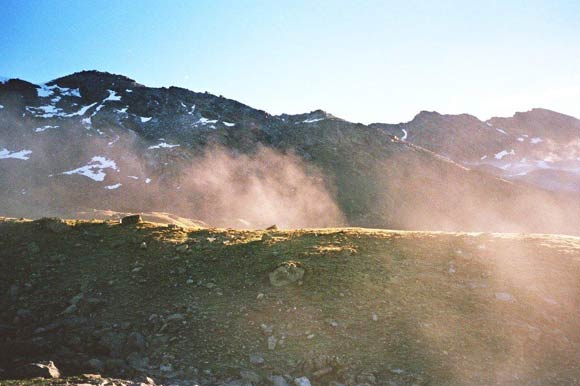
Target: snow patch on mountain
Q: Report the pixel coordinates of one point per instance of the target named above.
(44, 91)
(536, 140)
(228, 124)
(206, 121)
(112, 96)
(82, 111)
(111, 187)
(404, 137)
(503, 153)
(163, 145)
(22, 154)
(312, 120)
(501, 131)
(145, 119)
(44, 128)
(95, 169)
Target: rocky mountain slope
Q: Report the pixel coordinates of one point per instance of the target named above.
(334, 306)
(540, 147)
(94, 140)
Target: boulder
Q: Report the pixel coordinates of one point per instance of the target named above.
(38, 370)
(131, 220)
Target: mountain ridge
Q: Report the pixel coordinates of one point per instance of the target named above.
(110, 143)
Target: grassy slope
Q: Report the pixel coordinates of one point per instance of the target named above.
(437, 308)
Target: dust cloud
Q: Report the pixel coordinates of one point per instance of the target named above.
(215, 185)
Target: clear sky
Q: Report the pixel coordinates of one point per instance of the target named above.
(365, 61)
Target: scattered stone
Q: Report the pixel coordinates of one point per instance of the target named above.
(267, 329)
(286, 273)
(116, 366)
(131, 220)
(322, 372)
(272, 342)
(333, 323)
(38, 370)
(23, 317)
(375, 317)
(302, 381)
(135, 342)
(96, 364)
(278, 380)
(366, 378)
(175, 318)
(13, 292)
(260, 296)
(70, 309)
(238, 382)
(182, 248)
(137, 361)
(256, 359)
(143, 245)
(250, 376)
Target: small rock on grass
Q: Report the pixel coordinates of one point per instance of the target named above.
(272, 342)
(256, 359)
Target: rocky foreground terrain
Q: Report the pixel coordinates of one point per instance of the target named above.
(169, 304)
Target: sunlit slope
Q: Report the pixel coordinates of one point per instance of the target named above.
(407, 307)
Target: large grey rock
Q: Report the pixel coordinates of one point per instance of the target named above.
(302, 381)
(278, 380)
(286, 273)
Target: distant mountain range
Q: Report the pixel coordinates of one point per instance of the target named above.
(94, 140)
(540, 146)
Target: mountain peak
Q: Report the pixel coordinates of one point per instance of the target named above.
(93, 78)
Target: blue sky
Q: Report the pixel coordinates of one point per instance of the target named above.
(365, 61)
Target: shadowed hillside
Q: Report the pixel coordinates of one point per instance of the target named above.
(214, 306)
